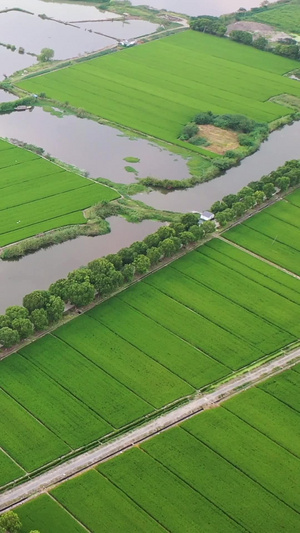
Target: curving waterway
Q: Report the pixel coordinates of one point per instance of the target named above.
(39, 270)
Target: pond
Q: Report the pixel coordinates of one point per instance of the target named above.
(281, 146)
(128, 29)
(33, 33)
(195, 8)
(39, 270)
(6, 96)
(12, 61)
(67, 12)
(93, 147)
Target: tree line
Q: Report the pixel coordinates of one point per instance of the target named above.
(43, 308)
(102, 277)
(216, 26)
(11, 523)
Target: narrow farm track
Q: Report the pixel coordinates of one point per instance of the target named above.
(104, 452)
(257, 256)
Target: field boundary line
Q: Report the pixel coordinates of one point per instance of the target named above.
(87, 460)
(258, 256)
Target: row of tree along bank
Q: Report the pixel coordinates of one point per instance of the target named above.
(104, 276)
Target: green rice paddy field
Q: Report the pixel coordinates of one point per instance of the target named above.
(284, 17)
(194, 322)
(158, 87)
(37, 195)
(273, 234)
(232, 468)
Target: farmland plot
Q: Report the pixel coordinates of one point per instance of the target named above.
(158, 87)
(273, 239)
(37, 195)
(232, 468)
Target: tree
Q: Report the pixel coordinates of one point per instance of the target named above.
(230, 199)
(249, 201)
(5, 322)
(81, 293)
(54, 308)
(245, 191)
(10, 522)
(197, 231)
(189, 220)
(229, 214)
(259, 197)
(128, 272)
(80, 275)
(239, 209)
(60, 288)
(190, 130)
(218, 206)
(154, 255)
(46, 55)
(241, 36)
(104, 276)
(23, 326)
(221, 218)
(152, 240)
(261, 43)
(116, 260)
(36, 300)
(269, 190)
(8, 337)
(169, 247)
(142, 264)
(208, 227)
(16, 311)
(283, 183)
(39, 319)
(165, 232)
(187, 237)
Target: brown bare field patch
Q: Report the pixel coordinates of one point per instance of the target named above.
(220, 140)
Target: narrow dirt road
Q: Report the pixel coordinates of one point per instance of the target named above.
(162, 423)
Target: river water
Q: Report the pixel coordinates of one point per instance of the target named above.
(39, 270)
(281, 146)
(90, 146)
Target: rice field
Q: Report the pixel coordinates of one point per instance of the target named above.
(206, 315)
(158, 87)
(273, 234)
(232, 468)
(37, 195)
(285, 17)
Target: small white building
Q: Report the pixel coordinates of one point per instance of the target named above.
(207, 215)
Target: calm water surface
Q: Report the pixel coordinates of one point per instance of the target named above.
(66, 12)
(282, 146)
(10, 61)
(90, 146)
(120, 29)
(6, 97)
(39, 270)
(199, 7)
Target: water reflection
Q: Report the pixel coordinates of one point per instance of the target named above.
(66, 12)
(120, 29)
(39, 270)
(282, 146)
(6, 96)
(12, 61)
(93, 147)
(33, 33)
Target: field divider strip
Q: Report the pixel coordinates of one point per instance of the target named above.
(260, 232)
(142, 351)
(13, 459)
(233, 301)
(239, 468)
(187, 306)
(258, 257)
(181, 338)
(280, 400)
(68, 512)
(214, 504)
(103, 370)
(249, 378)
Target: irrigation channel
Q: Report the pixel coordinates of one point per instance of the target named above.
(68, 139)
(162, 423)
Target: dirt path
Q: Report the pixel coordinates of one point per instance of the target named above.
(258, 256)
(164, 422)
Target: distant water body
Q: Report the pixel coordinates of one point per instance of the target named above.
(193, 8)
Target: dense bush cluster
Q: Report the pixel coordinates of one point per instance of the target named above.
(208, 24)
(101, 276)
(216, 26)
(234, 206)
(250, 133)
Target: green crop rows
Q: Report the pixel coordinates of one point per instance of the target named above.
(233, 468)
(158, 87)
(284, 17)
(37, 196)
(273, 234)
(196, 321)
